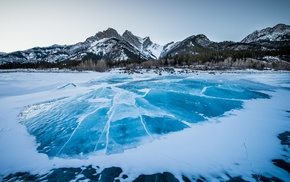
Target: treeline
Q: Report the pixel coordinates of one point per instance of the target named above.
(218, 56)
(41, 65)
(205, 59)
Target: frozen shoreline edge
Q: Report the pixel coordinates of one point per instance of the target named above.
(143, 71)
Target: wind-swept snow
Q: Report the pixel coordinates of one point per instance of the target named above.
(192, 125)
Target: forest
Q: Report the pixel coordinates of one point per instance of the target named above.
(223, 59)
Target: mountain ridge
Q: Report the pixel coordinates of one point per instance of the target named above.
(110, 45)
(279, 32)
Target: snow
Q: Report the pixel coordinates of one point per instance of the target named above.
(95, 43)
(144, 45)
(271, 58)
(123, 56)
(275, 36)
(155, 49)
(240, 141)
(271, 34)
(191, 44)
(101, 47)
(168, 48)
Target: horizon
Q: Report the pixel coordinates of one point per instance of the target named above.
(46, 23)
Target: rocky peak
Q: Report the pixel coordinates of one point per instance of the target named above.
(131, 38)
(281, 27)
(201, 37)
(109, 33)
(147, 42)
(202, 40)
(280, 32)
(127, 33)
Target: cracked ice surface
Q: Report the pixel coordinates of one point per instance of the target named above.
(123, 113)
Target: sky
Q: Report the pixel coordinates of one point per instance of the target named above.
(32, 23)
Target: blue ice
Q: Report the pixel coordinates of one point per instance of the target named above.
(127, 113)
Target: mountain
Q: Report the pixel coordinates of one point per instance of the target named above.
(277, 33)
(197, 44)
(265, 39)
(271, 37)
(110, 45)
(191, 45)
(144, 45)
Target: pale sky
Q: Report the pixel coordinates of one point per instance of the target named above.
(30, 23)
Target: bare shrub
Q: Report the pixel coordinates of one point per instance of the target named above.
(147, 64)
(101, 66)
(93, 65)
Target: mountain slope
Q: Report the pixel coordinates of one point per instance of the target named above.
(191, 45)
(266, 39)
(107, 45)
(194, 45)
(145, 45)
(110, 45)
(279, 32)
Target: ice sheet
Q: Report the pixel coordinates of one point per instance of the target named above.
(234, 128)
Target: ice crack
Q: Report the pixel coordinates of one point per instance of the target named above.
(79, 121)
(247, 156)
(108, 127)
(144, 126)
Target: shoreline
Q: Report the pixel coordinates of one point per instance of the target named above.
(169, 70)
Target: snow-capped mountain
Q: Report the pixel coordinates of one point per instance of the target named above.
(279, 32)
(190, 45)
(145, 45)
(47, 54)
(110, 45)
(197, 44)
(269, 38)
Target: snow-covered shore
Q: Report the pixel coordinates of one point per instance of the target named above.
(240, 143)
(143, 70)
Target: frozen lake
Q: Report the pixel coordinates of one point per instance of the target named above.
(195, 124)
